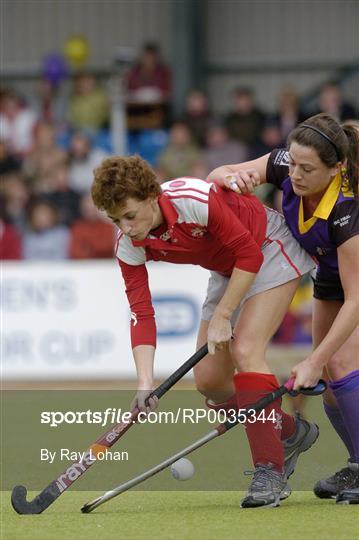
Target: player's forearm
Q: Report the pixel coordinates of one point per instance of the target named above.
(237, 287)
(144, 360)
(343, 326)
(259, 164)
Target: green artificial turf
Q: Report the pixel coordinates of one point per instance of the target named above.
(206, 507)
(183, 516)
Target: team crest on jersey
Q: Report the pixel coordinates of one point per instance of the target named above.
(166, 236)
(278, 421)
(198, 232)
(321, 251)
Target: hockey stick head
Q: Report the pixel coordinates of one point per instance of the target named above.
(21, 505)
(38, 504)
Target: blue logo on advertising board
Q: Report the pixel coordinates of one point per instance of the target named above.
(175, 315)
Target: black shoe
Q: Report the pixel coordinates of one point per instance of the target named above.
(345, 479)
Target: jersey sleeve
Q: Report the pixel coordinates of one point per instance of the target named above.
(344, 221)
(132, 263)
(278, 167)
(226, 227)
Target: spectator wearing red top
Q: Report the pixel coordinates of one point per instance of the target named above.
(10, 240)
(92, 236)
(149, 79)
(148, 87)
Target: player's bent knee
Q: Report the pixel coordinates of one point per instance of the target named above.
(206, 387)
(245, 353)
(215, 389)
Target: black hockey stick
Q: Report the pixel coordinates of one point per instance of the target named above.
(48, 495)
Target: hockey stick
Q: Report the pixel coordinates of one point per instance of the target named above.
(48, 495)
(219, 430)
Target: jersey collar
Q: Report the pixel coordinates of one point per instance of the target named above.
(170, 215)
(325, 206)
(168, 210)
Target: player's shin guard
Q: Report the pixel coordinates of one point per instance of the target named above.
(346, 392)
(264, 436)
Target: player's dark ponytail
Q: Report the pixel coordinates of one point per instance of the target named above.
(351, 130)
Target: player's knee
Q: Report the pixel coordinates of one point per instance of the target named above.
(214, 389)
(245, 352)
(206, 387)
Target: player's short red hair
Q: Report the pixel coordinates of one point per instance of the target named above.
(118, 178)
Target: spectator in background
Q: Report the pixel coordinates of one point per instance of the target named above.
(8, 162)
(148, 88)
(16, 194)
(92, 235)
(270, 137)
(45, 239)
(149, 80)
(83, 160)
(10, 239)
(49, 103)
(289, 113)
(17, 122)
(245, 121)
(197, 115)
(220, 149)
(62, 197)
(181, 156)
(88, 106)
(43, 158)
(331, 101)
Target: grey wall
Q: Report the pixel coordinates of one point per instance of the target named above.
(265, 33)
(32, 28)
(278, 30)
(246, 33)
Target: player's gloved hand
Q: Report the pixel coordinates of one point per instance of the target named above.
(140, 398)
(307, 373)
(243, 181)
(219, 333)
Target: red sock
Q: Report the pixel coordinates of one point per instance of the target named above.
(288, 425)
(288, 422)
(264, 437)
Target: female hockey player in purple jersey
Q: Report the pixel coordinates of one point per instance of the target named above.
(319, 175)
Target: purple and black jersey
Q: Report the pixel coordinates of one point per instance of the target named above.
(335, 220)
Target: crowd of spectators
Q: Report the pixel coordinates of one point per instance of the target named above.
(51, 142)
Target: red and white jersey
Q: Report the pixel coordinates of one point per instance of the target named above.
(203, 225)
